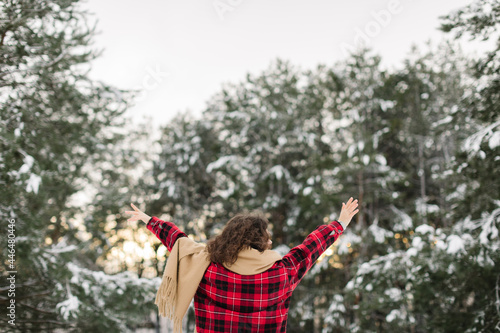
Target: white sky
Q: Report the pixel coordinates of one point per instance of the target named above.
(194, 50)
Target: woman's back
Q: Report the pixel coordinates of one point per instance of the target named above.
(229, 302)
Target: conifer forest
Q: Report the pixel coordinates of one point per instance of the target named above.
(417, 145)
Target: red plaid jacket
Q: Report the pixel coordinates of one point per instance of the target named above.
(229, 302)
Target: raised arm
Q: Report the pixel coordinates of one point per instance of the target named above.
(302, 257)
(167, 232)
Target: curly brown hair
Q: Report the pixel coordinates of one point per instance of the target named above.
(242, 230)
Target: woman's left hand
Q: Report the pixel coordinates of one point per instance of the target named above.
(137, 215)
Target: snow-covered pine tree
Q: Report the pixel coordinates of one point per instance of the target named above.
(447, 278)
(56, 124)
(475, 186)
(479, 113)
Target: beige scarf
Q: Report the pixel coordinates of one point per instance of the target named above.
(185, 267)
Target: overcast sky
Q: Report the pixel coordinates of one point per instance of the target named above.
(180, 52)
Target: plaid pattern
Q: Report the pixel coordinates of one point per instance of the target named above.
(229, 302)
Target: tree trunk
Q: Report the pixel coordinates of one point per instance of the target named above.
(421, 173)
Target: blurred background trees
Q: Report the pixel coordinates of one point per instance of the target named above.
(418, 146)
(62, 135)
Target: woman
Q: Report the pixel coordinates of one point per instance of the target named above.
(238, 283)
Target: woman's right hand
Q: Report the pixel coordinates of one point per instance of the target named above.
(348, 211)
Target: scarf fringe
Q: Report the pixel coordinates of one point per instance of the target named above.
(165, 300)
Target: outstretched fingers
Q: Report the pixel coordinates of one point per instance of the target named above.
(350, 203)
(135, 213)
(350, 207)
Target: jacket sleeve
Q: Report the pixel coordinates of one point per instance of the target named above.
(302, 257)
(167, 232)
